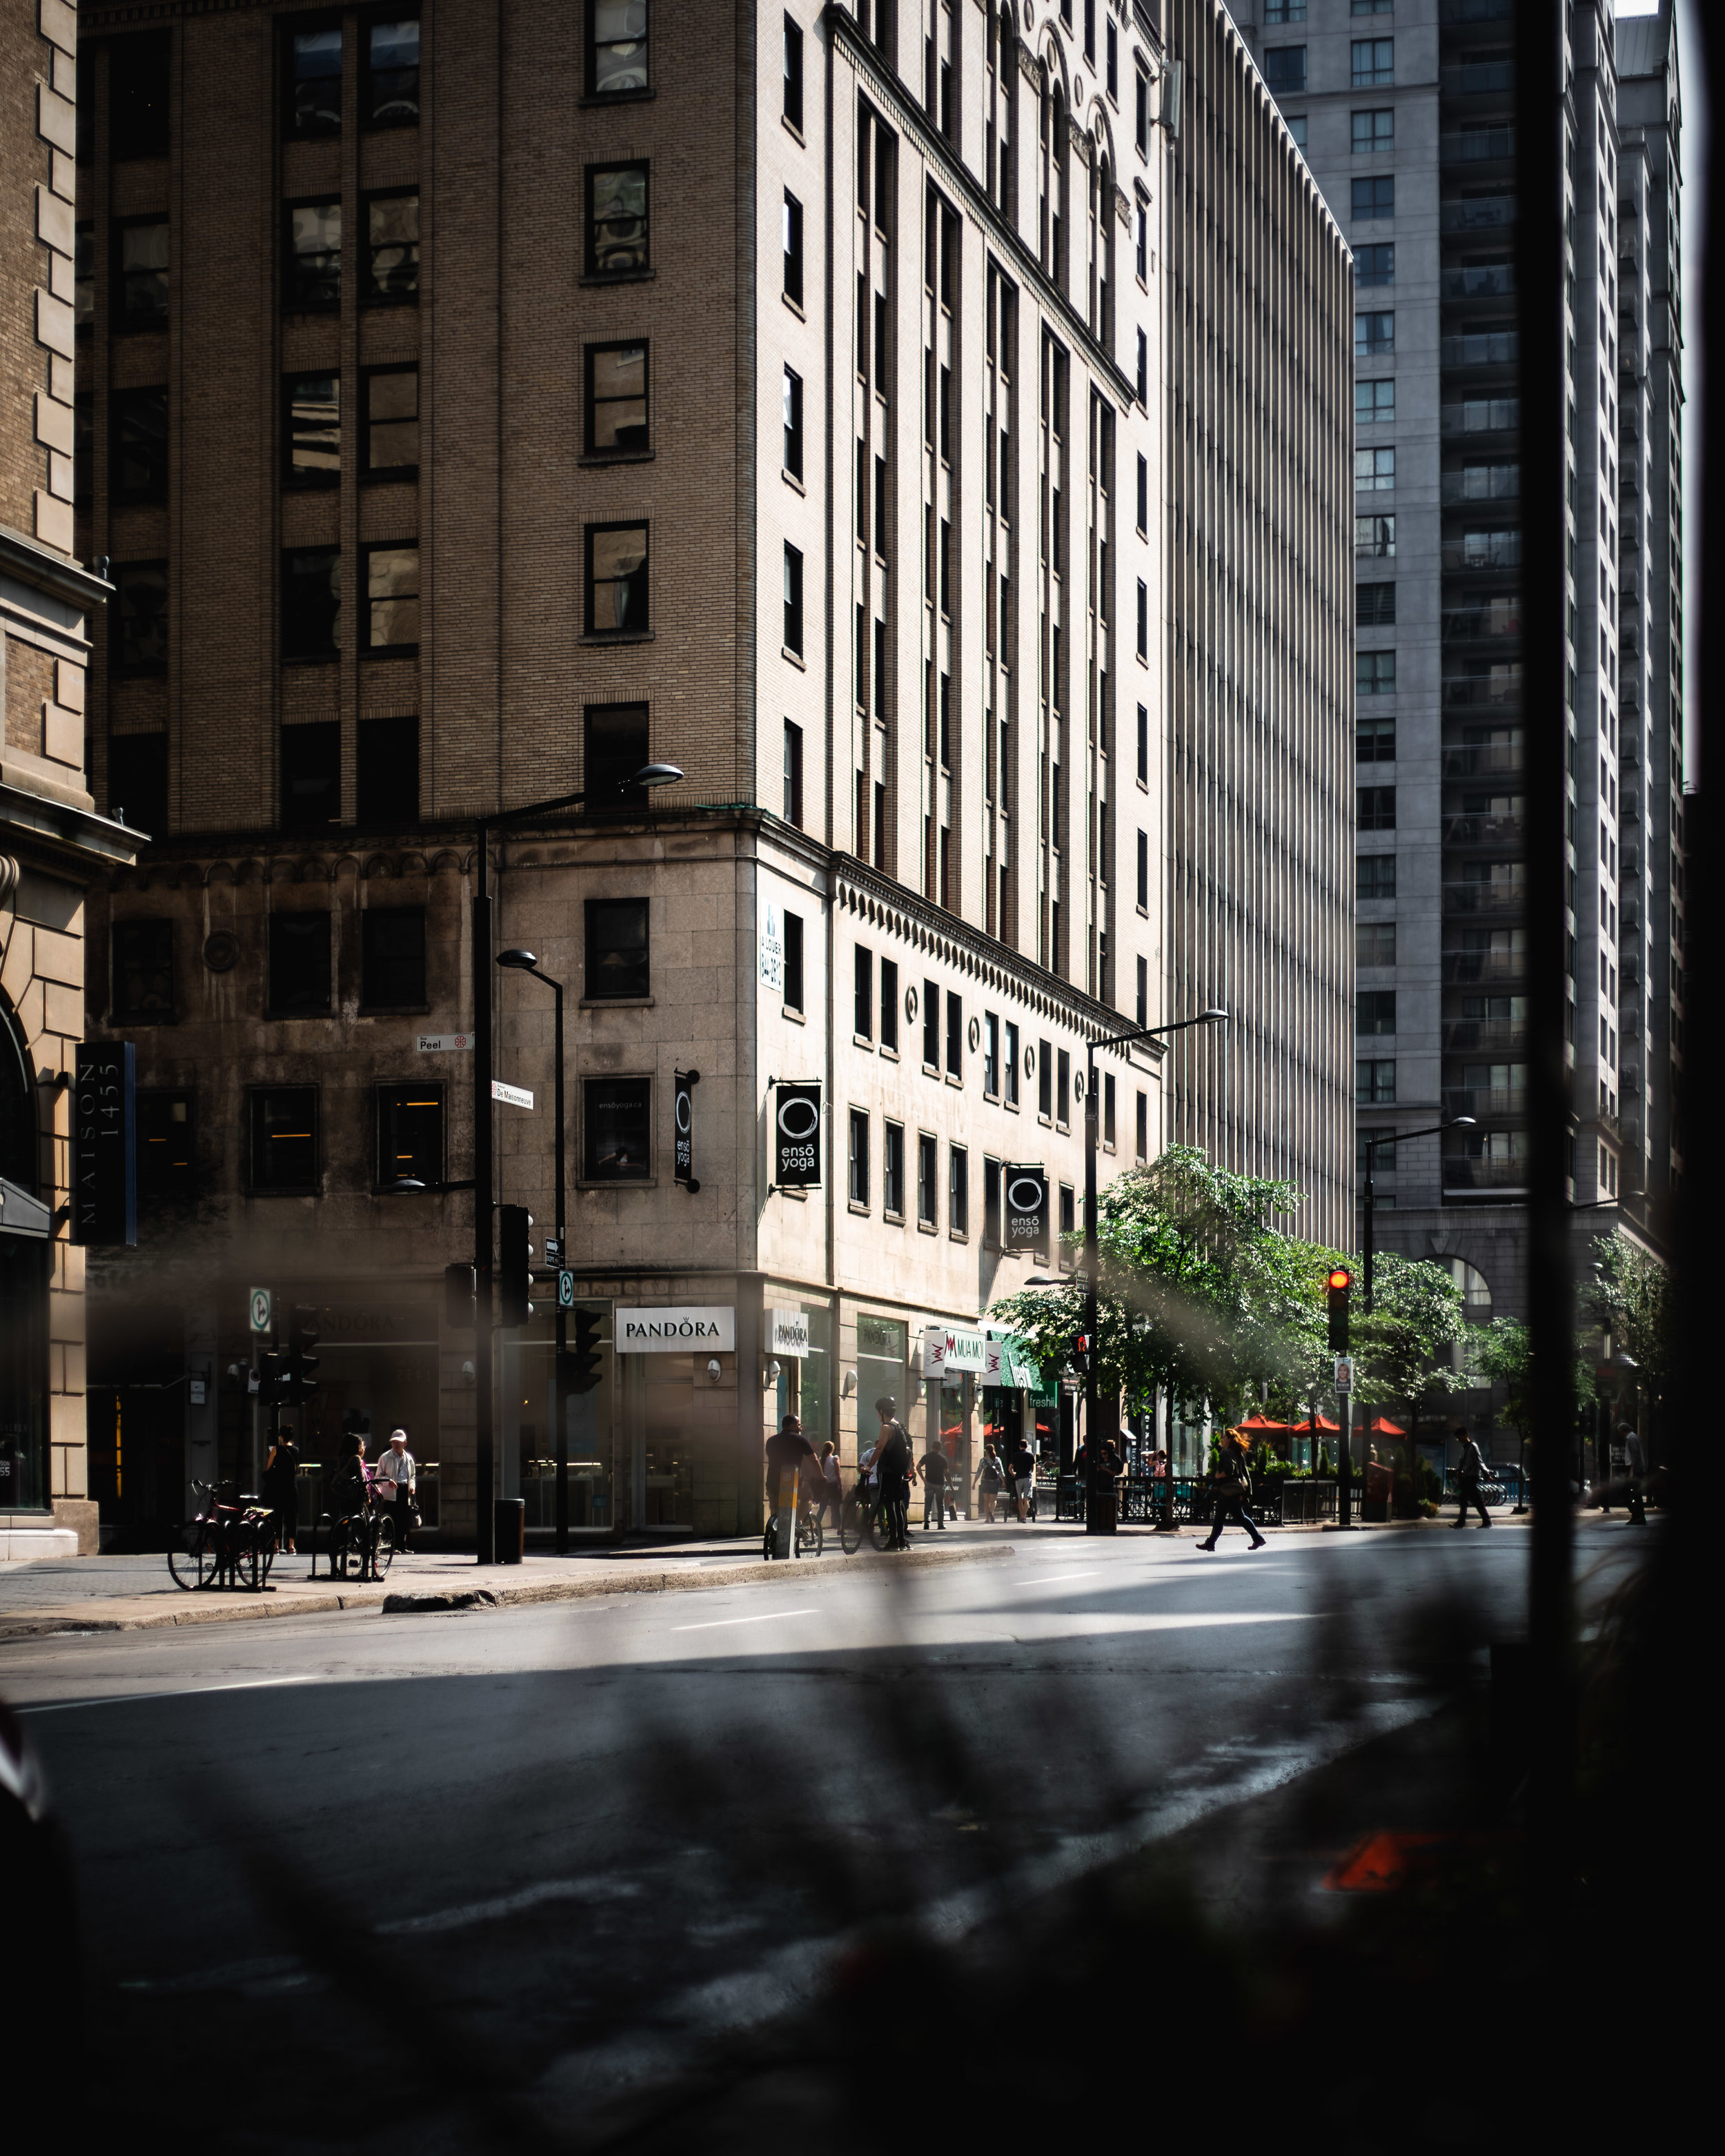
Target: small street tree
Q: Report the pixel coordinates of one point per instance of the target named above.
(1399, 1345)
(1630, 1297)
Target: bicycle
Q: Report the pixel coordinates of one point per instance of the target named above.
(361, 1546)
(223, 1544)
(861, 1515)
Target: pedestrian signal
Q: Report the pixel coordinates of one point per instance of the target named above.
(515, 1276)
(1339, 1287)
(581, 1364)
(303, 1335)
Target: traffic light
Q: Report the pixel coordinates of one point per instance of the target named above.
(268, 1375)
(1339, 1287)
(515, 1276)
(303, 1335)
(458, 1298)
(1081, 1355)
(581, 1364)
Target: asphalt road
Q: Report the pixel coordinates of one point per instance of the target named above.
(575, 1844)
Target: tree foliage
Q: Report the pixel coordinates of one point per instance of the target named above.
(1631, 1298)
(1400, 1346)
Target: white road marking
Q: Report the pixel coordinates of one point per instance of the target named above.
(467, 1913)
(1054, 1579)
(192, 1691)
(766, 1617)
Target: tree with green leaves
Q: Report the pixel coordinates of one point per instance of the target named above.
(1399, 1344)
(1631, 1299)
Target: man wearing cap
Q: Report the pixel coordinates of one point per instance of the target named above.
(787, 1451)
(398, 1472)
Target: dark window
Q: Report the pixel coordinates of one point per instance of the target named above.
(862, 1018)
(931, 1025)
(1374, 605)
(793, 961)
(792, 107)
(1068, 1226)
(391, 248)
(1374, 740)
(991, 1173)
(1374, 943)
(312, 436)
(1144, 494)
(391, 423)
(137, 781)
(616, 220)
(1374, 538)
(299, 962)
(1010, 1071)
(1141, 112)
(892, 1171)
(1374, 265)
(1113, 61)
(618, 968)
(392, 599)
(793, 236)
(792, 774)
(392, 941)
(1373, 62)
(386, 770)
(84, 274)
(1143, 872)
(1142, 1003)
(1373, 335)
(392, 94)
(616, 579)
(410, 1134)
(793, 424)
(1374, 402)
(859, 1183)
(165, 1166)
(793, 599)
(1373, 133)
(1108, 1108)
(889, 1004)
(1142, 1138)
(137, 635)
(957, 1190)
(1376, 809)
(311, 603)
(283, 1136)
(616, 47)
(311, 271)
(138, 77)
(1374, 876)
(138, 470)
(1063, 1087)
(928, 1170)
(314, 81)
(143, 952)
(1374, 1011)
(1143, 619)
(616, 749)
(1375, 1086)
(1143, 746)
(618, 1121)
(1044, 1078)
(141, 271)
(311, 776)
(991, 1056)
(1374, 673)
(616, 399)
(1285, 69)
(955, 1035)
(1376, 197)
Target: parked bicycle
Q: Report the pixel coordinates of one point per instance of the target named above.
(361, 1546)
(862, 1517)
(811, 1540)
(229, 1541)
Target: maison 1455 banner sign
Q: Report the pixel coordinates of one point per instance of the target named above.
(796, 1148)
(104, 1172)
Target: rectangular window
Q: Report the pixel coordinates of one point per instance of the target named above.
(616, 220)
(793, 599)
(1063, 1089)
(793, 106)
(617, 580)
(889, 1004)
(1374, 265)
(1374, 943)
(991, 1056)
(617, 1129)
(1143, 619)
(1142, 1135)
(1374, 63)
(615, 742)
(311, 776)
(386, 770)
(1374, 402)
(793, 424)
(1374, 197)
(392, 92)
(793, 990)
(143, 972)
(139, 77)
(393, 958)
(1374, 1084)
(862, 1017)
(141, 255)
(138, 469)
(410, 1134)
(314, 82)
(299, 974)
(1374, 538)
(793, 774)
(618, 966)
(1374, 605)
(1373, 335)
(991, 1197)
(392, 599)
(1069, 1226)
(283, 1138)
(1143, 746)
(1143, 872)
(165, 1144)
(928, 1180)
(1374, 740)
(312, 436)
(792, 238)
(1373, 471)
(1141, 113)
(1044, 1079)
(1285, 69)
(958, 1191)
(892, 1170)
(955, 1035)
(931, 1026)
(140, 643)
(1373, 133)
(1144, 494)
(1142, 1003)
(137, 780)
(1284, 11)
(858, 1185)
(1374, 876)
(1297, 128)
(617, 400)
(311, 273)
(392, 249)
(83, 276)
(1374, 673)
(616, 47)
(392, 395)
(1372, 7)
(1376, 807)
(1374, 1011)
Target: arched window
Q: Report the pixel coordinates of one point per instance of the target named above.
(1475, 1290)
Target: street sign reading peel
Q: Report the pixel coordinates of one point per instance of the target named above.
(432, 1043)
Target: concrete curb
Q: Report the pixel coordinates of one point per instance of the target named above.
(157, 1612)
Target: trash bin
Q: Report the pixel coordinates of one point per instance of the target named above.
(511, 1515)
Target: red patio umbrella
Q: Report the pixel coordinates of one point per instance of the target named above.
(1323, 1424)
(1382, 1427)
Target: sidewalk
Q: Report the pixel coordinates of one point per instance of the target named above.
(136, 1593)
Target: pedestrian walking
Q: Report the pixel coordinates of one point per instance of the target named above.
(895, 1470)
(1470, 1473)
(936, 1472)
(396, 1479)
(831, 1496)
(990, 1479)
(281, 1490)
(1232, 1483)
(1634, 1458)
(1021, 1470)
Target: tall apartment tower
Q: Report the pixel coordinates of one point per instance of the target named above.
(486, 402)
(1405, 110)
(52, 844)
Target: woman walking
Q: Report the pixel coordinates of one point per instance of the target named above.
(990, 1477)
(281, 1490)
(1233, 1485)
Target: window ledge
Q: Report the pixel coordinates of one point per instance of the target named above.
(1010, 1106)
(862, 1041)
(622, 636)
(931, 1070)
(790, 480)
(616, 1003)
(993, 1099)
(618, 1182)
(617, 97)
(602, 277)
(926, 1228)
(957, 1235)
(795, 307)
(959, 1082)
(894, 1219)
(856, 1208)
(795, 131)
(596, 457)
(891, 1055)
(795, 658)
(395, 1010)
(796, 1017)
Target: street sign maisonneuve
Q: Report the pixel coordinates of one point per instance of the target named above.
(513, 1096)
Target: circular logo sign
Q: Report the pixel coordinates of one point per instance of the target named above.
(683, 1114)
(1024, 1193)
(799, 1118)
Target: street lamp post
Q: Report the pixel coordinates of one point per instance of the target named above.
(525, 961)
(484, 1222)
(1092, 1523)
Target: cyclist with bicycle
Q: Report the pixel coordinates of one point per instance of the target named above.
(895, 1471)
(787, 1451)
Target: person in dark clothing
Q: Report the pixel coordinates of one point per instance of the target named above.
(281, 1490)
(936, 1472)
(1470, 1473)
(1233, 1485)
(1021, 1468)
(895, 1471)
(787, 1452)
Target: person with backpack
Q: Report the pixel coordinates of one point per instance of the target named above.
(895, 1471)
(1232, 1483)
(1470, 1473)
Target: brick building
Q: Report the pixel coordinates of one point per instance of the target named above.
(484, 401)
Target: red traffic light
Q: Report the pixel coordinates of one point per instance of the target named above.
(1340, 1280)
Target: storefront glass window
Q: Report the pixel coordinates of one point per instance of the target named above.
(882, 1345)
